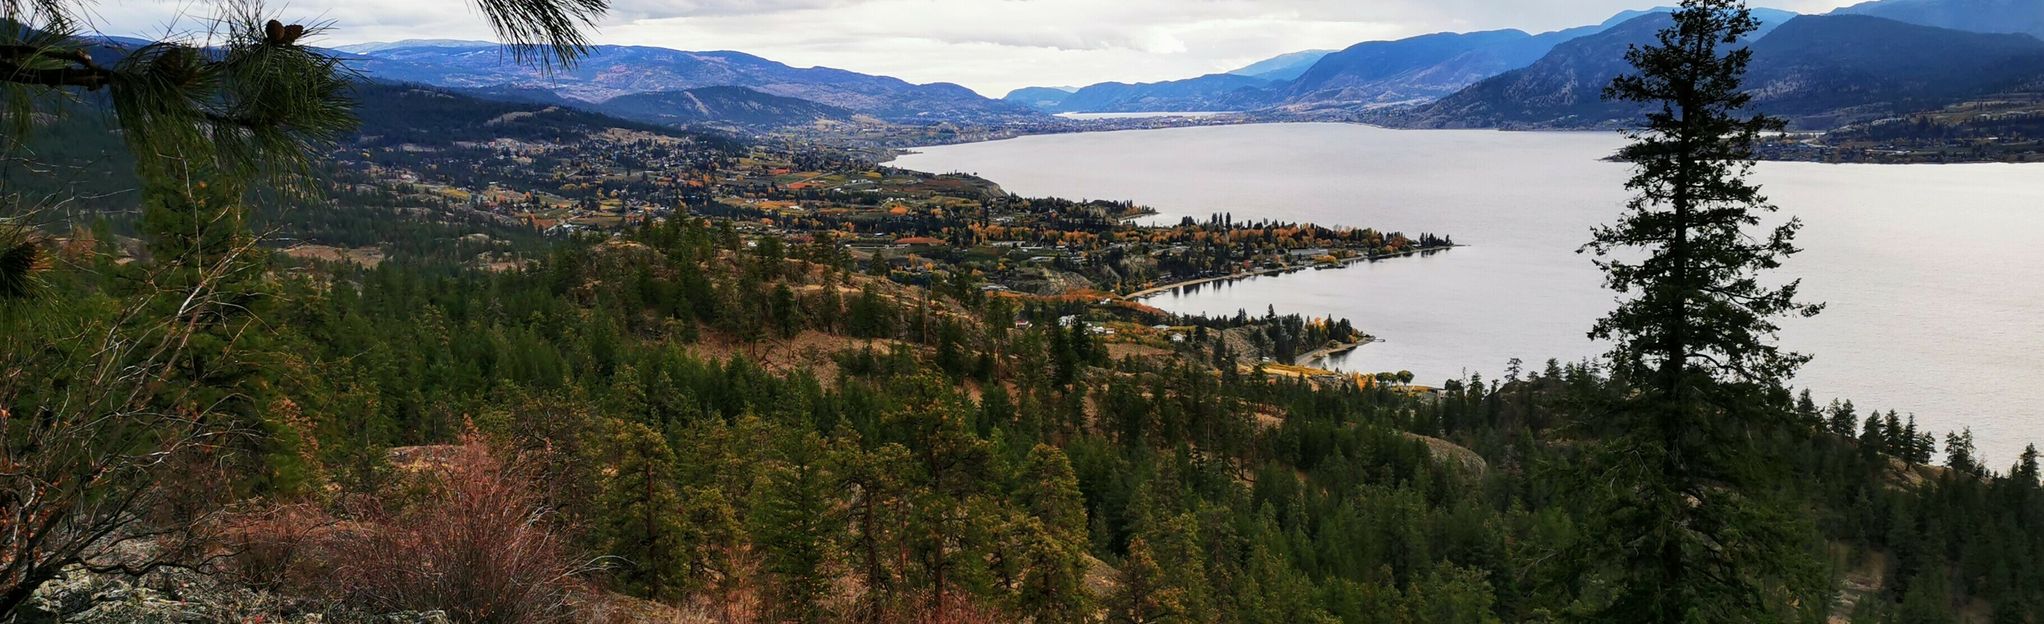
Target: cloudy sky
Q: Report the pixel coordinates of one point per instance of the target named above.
(989, 45)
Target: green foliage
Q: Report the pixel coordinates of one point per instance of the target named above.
(1140, 595)
(643, 516)
(1683, 492)
(798, 526)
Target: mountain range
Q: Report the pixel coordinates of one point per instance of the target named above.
(1862, 62)
(1987, 16)
(1284, 66)
(1372, 73)
(610, 72)
(1818, 71)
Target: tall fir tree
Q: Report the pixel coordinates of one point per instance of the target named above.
(797, 526)
(1682, 493)
(642, 515)
(1141, 595)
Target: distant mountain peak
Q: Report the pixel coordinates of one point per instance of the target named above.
(379, 46)
(1818, 71)
(608, 72)
(1285, 66)
(1983, 16)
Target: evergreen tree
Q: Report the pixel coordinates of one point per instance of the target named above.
(1960, 453)
(1843, 420)
(1140, 594)
(1685, 526)
(642, 515)
(713, 546)
(797, 525)
(876, 481)
(1053, 575)
(1050, 493)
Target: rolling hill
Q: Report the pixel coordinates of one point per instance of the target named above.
(613, 71)
(1416, 68)
(1212, 92)
(1283, 67)
(1040, 98)
(737, 106)
(1819, 71)
(1366, 75)
(1987, 16)
(408, 114)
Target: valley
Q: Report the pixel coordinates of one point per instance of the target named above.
(1377, 327)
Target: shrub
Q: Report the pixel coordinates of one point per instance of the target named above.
(478, 544)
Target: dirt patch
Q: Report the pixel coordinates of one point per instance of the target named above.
(423, 458)
(1858, 583)
(1457, 454)
(368, 257)
(1903, 474)
(1120, 350)
(810, 350)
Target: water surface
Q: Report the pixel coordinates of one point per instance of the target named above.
(1933, 274)
(1152, 115)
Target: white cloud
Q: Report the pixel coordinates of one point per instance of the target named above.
(989, 45)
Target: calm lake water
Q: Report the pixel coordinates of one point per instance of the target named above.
(1934, 274)
(1190, 115)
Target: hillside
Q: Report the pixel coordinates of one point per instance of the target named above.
(1367, 75)
(1824, 71)
(1563, 88)
(737, 106)
(1040, 98)
(1987, 16)
(395, 114)
(1417, 68)
(611, 71)
(1213, 92)
(1819, 71)
(1283, 67)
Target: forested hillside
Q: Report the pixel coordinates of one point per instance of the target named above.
(525, 364)
(728, 424)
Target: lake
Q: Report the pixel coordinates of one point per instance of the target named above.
(1187, 115)
(1933, 274)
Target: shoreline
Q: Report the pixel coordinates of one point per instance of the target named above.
(1308, 358)
(1775, 155)
(1343, 263)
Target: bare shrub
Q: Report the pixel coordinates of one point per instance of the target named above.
(479, 544)
(278, 548)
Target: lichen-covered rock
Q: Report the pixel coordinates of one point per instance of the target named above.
(185, 597)
(83, 598)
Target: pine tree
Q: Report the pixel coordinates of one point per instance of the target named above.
(1843, 420)
(642, 515)
(876, 482)
(207, 272)
(713, 546)
(1140, 594)
(1050, 492)
(1959, 452)
(1053, 575)
(1685, 526)
(797, 526)
(252, 102)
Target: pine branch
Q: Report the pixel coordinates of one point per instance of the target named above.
(89, 78)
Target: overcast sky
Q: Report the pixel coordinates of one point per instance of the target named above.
(989, 45)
